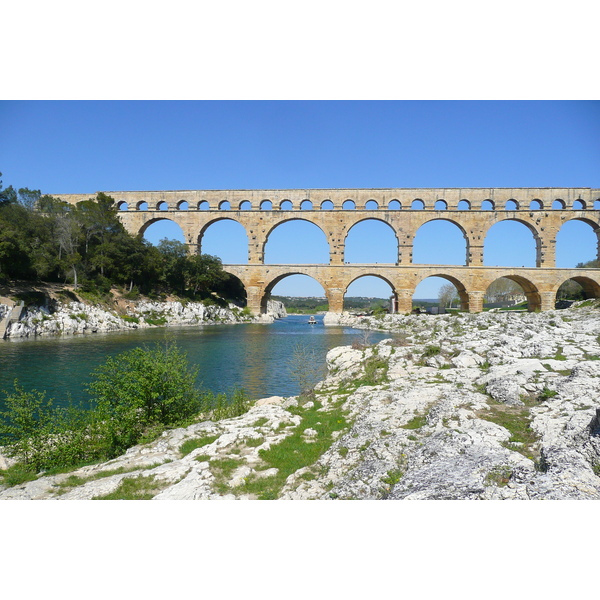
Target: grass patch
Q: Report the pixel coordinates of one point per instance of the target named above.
(294, 452)
(431, 351)
(74, 481)
(135, 488)
(416, 422)
(518, 422)
(194, 443)
(254, 442)
(260, 422)
(393, 477)
(222, 468)
(500, 476)
(546, 394)
(16, 475)
(376, 370)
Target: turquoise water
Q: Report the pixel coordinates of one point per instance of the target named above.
(252, 356)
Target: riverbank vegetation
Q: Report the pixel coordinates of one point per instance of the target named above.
(45, 239)
(134, 397)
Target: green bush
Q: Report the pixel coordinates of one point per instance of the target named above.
(135, 396)
(143, 388)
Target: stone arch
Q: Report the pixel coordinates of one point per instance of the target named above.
(511, 204)
(245, 205)
(488, 205)
(235, 247)
(464, 205)
(536, 241)
(591, 288)
(224, 205)
(310, 245)
(162, 205)
(286, 205)
(266, 294)
(530, 290)
(183, 205)
(559, 204)
(203, 205)
(349, 205)
(536, 204)
(440, 205)
(578, 204)
(266, 205)
(394, 205)
(463, 294)
(306, 205)
(594, 251)
(327, 205)
(417, 204)
(387, 248)
(173, 226)
(141, 205)
(393, 294)
(122, 205)
(417, 242)
(371, 205)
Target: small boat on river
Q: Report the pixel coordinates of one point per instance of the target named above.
(312, 321)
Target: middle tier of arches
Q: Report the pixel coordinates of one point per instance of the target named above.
(337, 229)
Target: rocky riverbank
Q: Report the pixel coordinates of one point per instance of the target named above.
(488, 406)
(68, 317)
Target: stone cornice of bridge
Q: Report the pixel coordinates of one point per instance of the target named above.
(451, 196)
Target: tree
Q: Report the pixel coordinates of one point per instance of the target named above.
(203, 273)
(8, 195)
(447, 295)
(503, 290)
(68, 235)
(174, 255)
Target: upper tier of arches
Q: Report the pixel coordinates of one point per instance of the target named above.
(431, 199)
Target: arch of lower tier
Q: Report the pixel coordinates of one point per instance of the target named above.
(531, 291)
(460, 288)
(266, 294)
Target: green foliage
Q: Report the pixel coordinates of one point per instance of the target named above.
(546, 394)
(42, 237)
(135, 396)
(142, 388)
(393, 477)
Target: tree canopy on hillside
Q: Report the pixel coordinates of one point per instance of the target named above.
(44, 238)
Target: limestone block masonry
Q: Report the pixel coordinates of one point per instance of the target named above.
(473, 210)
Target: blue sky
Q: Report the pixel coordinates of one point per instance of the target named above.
(86, 146)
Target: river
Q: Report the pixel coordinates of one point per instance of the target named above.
(255, 357)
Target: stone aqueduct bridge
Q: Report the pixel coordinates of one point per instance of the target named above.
(473, 211)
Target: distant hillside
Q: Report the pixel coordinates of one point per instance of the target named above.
(316, 305)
